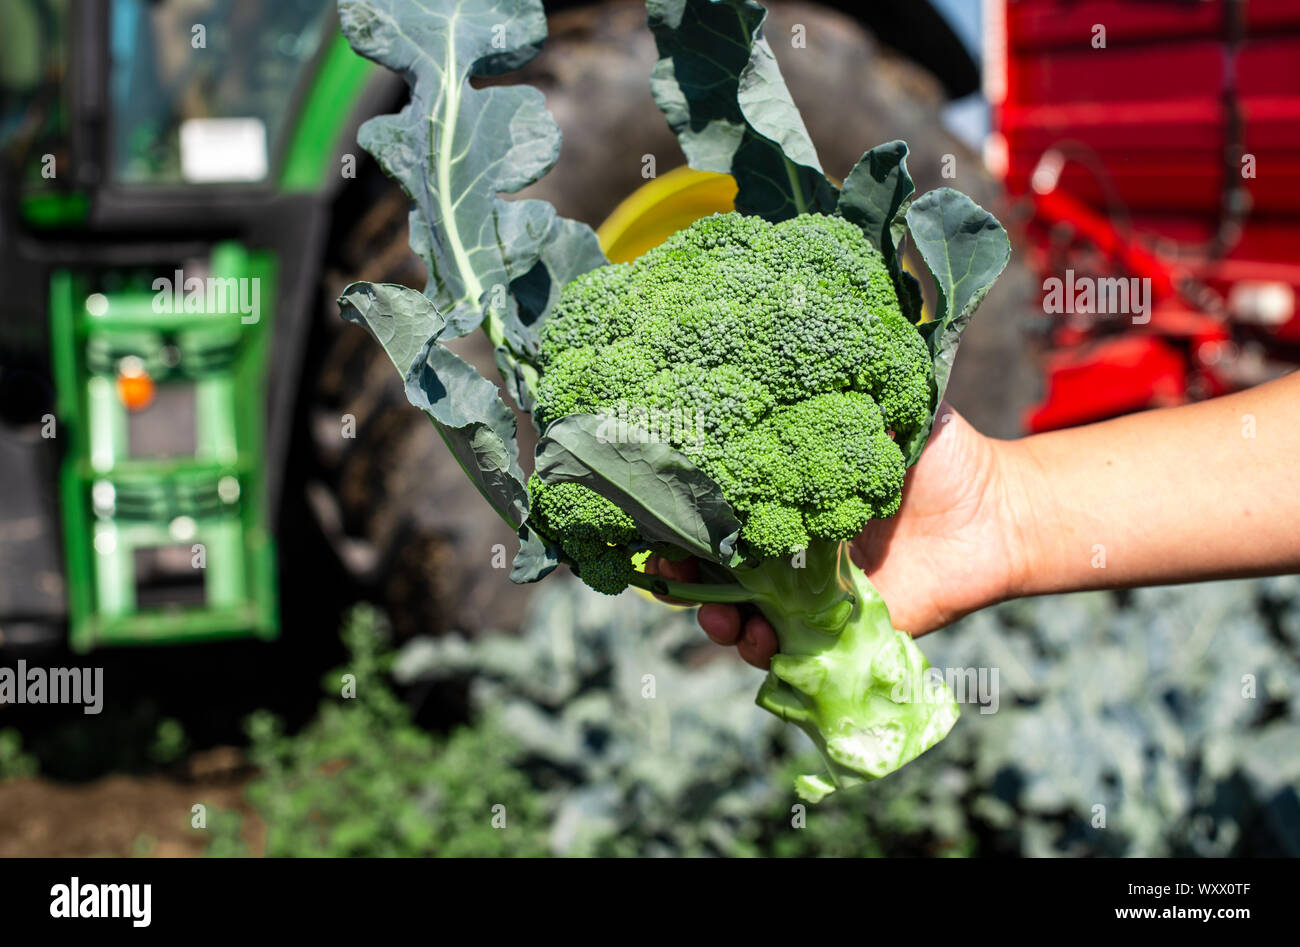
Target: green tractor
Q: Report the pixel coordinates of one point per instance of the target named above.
(181, 199)
(170, 177)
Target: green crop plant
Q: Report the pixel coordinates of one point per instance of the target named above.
(363, 780)
(784, 342)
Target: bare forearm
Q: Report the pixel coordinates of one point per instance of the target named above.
(1210, 490)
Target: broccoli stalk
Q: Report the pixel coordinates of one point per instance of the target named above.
(857, 686)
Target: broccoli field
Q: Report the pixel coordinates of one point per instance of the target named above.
(555, 722)
(608, 772)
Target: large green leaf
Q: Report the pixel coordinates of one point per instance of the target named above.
(965, 249)
(874, 193)
(536, 558)
(498, 263)
(399, 318)
(670, 499)
(465, 407)
(464, 403)
(454, 148)
(719, 86)
(571, 249)
(875, 197)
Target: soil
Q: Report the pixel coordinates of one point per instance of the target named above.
(124, 816)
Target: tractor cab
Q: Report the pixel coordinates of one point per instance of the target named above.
(167, 167)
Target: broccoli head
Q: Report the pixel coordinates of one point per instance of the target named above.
(774, 356)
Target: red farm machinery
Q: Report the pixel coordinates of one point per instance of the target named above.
(1152, 140)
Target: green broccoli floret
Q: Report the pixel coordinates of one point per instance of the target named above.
(774, 356)
(591, 530)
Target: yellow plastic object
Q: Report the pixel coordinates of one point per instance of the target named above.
(661, 207)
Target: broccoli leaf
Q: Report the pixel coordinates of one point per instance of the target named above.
(571, 250)
(719, 86)
(875, 197)
(965, 249)
(464, 407)
(463, 403)
(536, 558)
(670, 499)
(491, 262)
(875, 191)
(399, 318)
(454, 148)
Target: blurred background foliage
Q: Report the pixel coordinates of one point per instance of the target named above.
(1125, 725)
(14, 763)
(363, 780)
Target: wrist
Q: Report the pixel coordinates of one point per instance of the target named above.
(1025, 517)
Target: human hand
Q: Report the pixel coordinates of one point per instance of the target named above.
(954, 546)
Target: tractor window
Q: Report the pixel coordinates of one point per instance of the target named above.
(32, 65)
(203, 90)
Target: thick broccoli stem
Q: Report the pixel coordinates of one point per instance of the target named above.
(857, 687)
